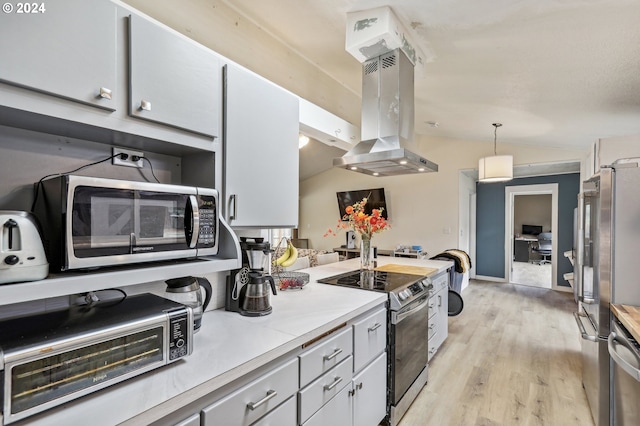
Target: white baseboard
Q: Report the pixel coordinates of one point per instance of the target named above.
(485, 278)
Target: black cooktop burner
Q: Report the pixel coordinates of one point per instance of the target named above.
(372, 280)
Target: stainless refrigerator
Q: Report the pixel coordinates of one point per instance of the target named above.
(606, 270)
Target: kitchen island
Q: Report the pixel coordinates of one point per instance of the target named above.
(227, 348)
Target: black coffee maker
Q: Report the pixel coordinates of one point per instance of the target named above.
(248, 287)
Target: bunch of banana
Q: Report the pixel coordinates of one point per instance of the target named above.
(289, 256)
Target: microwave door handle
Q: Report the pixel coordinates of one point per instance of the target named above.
(195, 221)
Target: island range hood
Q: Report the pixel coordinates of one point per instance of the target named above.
(387, 120)
(377, 39)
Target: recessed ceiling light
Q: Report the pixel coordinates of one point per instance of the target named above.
(376, 173)
(353, 168)
(403, 162)
(421, 169)
(433, 124)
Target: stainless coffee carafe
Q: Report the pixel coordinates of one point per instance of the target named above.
(249, 288)
(256, 295)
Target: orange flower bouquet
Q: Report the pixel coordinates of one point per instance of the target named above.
(365, 225)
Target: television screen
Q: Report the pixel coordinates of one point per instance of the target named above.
(531, 229)
(375, 197)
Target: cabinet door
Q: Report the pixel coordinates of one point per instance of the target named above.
(337, 412)
(67, 50)
(370, 398)
(261, 152)
(173, 80)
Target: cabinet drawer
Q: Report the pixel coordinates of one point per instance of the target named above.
(433, 306)
(370, 338)
(319, 392)
(433, 327)
(440, 282)
(326, 355)
(336, 413)
(284, 415)
(263, 394)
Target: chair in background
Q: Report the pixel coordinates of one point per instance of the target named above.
(325, 258)
(543, 248)
(300, 263)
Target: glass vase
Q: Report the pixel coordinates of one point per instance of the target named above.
(366, 263)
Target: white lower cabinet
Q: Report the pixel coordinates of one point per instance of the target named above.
(257, 398)
(370, 393)
(315, 395)
(284, 415)
(193, 420)
(438, 313)
(363, 402)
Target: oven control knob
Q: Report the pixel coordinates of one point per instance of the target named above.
(11, 260)
(402, 296)
(405, 294)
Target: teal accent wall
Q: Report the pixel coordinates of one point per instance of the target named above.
(490, 205)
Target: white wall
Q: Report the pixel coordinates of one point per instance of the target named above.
(423, 209)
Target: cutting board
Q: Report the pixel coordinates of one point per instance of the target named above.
(406, 269)
(629, 316)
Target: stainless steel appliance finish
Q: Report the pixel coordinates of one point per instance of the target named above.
(52, 358)
(92, 222)
(408, 334)
(186, 290)
(606, 270)
(625, 376)
(22, 256)
(248, 288)
(387, 120)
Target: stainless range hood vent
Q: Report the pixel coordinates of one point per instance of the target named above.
(387, 120)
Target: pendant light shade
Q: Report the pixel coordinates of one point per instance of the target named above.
(497, 168)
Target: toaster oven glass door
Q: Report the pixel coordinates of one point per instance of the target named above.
(44, 380)
(108, 221)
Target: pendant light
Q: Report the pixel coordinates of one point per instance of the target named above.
(497, 168)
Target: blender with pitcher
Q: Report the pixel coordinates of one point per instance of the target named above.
(249, 288)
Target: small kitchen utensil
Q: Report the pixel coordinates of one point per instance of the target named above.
(186, 290)
(22, 256)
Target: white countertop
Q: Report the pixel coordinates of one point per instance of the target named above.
(227, 347)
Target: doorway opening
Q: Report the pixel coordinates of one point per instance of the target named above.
(529, 211)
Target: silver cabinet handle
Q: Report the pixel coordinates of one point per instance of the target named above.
(583, 331)
(439, 300)
(432, 351)
(145, 105)
(432, 326)
(374, 327)
(233, 198)
(333, 355)
(105, 93)
(624, 364)
(359, 386)
(588, 301)
(333, 384)
(270, 394)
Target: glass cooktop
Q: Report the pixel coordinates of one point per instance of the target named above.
(387, 282)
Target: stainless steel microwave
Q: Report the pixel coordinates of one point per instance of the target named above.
(92, 222)
(51, 358)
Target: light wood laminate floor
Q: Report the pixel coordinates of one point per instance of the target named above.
(512, 358)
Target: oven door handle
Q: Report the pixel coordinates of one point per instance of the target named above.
(624, 364)
(400, 315)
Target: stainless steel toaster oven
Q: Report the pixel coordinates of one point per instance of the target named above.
(49, 359)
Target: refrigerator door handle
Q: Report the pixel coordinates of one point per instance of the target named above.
(583, 330)
(624, 364)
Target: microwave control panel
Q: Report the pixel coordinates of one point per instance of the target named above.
(208, 221)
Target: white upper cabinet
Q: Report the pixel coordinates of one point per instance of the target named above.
(173, 80)
(261, 151)
(67, 49)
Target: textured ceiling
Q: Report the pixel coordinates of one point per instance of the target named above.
(558, 73)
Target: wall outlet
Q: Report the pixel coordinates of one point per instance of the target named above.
(128, 162)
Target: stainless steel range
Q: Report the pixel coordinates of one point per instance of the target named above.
(407, 344)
